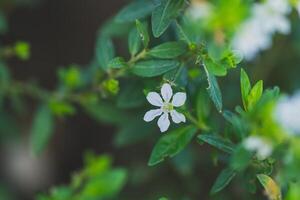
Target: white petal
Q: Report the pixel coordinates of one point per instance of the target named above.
(179, 99)
(177, 117)
(154, 99)
(151, 114)
(166, 92)
(163, 122)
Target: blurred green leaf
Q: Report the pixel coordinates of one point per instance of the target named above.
(214, 68)
(117, 63)
(134, 41)
(42, 129)
(3, 23)
(171, 144)
(152, 68)
(22, 50)
(271, 187)
(223, 180)
(131, 95)
(245, 87)
(168, 50)
(240, 158)
(143, 32)
(217, 142)
(164, 14)
(255, 94)
(104, 50)
(136, 10)
(214, 90)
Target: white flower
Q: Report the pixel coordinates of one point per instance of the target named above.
(298, 7)
(199, 10)
(166, 107)
(256, 33)
(287, 113)
(259, 146)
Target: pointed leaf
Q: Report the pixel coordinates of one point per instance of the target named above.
(272, 189)
(171, 144)
(168, 50)
(163, 15)
(134, 42)
(143, 32)
(104, 51)
(245, 87)
(223, 180)
(151, 68)
(217, 142)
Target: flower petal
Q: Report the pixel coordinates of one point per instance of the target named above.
(166, 92)
(151, 114)
(154, 99)
(163, 122)
(177, 117)
(179, 99)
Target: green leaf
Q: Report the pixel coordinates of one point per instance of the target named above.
(223, 180)
(245, 87)
(143, 32)
(117, 63)
(131, 95)
(163, 15)
(171, 144)
(163, 198)
(240, 158)
(168, 50)
(134, 42)
(152, 68)
(271, 187)
(217, 142)
(214, 90)
(135, 10)
(177, 76)
(104, 51)
(255, 94)
(41, 130)
(214, 68)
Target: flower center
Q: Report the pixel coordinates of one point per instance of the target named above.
(167, 107)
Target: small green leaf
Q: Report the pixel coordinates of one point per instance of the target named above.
(255, 94)
(117, 63)
(41, 130)
(217, 142)
(223, 180)
(168, 50)
(214, 90)
(134, 42)
(245, 87)
(272, 189)
(131, 95)
(135, 10)
(151, 68)
(164, 14)
(214, 68)
(104, 51)
(171, 144)
(143, 32)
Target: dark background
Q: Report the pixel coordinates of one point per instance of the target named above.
(60, 32)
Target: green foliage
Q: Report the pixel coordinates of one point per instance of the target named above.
(171, 144)
(214, 90)
(104, 50)
(134, 42)
(164, 14)
(22, 50)
(151, 68)
(217, 142)
(143, 32)
(168, 50)
(223, 180)
(97, 180)
(117, 63)
(135, 10)
(42, 129)
(272, 189)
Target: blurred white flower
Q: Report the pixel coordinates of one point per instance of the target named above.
(287, 113)
(258, 145)
(298, 7)
(256, 33)
(199, 9)
(166, 107)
